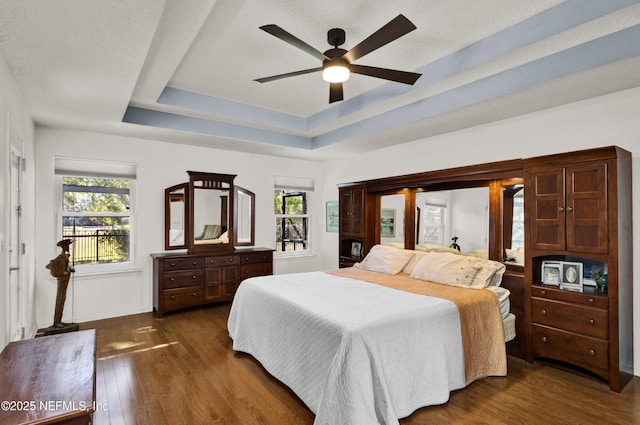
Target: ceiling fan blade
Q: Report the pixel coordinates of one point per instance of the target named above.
(386, 74)
(396, 28)
(283, 35)
(335, 92)
(288, 74)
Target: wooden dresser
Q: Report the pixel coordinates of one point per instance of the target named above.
(182, 280)
(49, 380)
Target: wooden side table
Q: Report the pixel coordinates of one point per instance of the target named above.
(49, 380)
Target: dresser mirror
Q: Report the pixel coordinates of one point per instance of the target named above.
(212, 201)
(244, 217)
(176, 210)
(209, 213)
(453, 219)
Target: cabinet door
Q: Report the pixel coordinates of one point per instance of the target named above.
(546, 195)
(352, 212)
(587, 217)
(221, 282)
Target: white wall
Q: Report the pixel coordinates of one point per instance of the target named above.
(159, 165)
(470, 218)
(14, 107)
(602, 121)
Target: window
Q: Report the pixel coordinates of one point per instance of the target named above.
(292, 221)
(96, 212)
(434, 224)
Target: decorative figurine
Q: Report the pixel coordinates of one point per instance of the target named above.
(61, 269)
(455, 245)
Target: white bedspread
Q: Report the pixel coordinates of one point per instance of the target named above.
(355, 352)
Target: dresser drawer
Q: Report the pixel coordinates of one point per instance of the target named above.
(571, 317)
(182, 263)
(569, 296)
(256, 257)
(589, 353)
(183, 278)
(252, 270)
(221, 260)
(175, 299)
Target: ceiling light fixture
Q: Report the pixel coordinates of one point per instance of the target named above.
(335, 73)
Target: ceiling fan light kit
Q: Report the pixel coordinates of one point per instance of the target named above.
(337, 64)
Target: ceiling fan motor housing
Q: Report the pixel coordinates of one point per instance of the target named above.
(335, 37)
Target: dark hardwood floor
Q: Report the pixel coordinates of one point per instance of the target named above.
(181, 370)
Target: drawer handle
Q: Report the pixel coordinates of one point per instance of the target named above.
(592, 322)
(246, 272)
(544, 312)
(231, 260)
(543, 293)
(173, 297)
(194, 294)
(544, 339)
(569, 208)
(246, 258)
(195, 262)
(172, 279)
(592, 352)
(193, 277)
(591, 300)
(560, 209)
(173, 264)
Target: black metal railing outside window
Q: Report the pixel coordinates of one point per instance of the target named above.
(91, 246)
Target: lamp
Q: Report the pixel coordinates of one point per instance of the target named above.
(335, 72)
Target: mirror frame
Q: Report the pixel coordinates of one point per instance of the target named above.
(238, 190)
(204, 181)
(167, 216)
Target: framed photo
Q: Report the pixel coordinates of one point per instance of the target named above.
(356, 249)
(332, 216)
(571, 273)
(388, 223)
(551, 272)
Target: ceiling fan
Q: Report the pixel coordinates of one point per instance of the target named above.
(337, 63)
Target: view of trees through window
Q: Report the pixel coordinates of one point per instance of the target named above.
(292, 220)
(96, 215)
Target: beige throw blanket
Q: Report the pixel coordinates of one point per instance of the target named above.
(480, 321)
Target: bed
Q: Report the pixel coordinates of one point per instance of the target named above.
(373, 343)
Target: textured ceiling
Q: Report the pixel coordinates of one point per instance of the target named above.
(182, 71)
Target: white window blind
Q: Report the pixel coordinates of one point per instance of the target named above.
(294, 183)
(94, 168)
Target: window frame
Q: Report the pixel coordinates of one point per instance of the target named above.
(442, 228)
(299, 253)
(98, 268)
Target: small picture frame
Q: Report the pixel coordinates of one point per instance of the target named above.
(356, 249)
(551, 272)
(332, 216)
(572, 273)
(388, 223)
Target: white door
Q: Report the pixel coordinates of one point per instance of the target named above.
(16, 299)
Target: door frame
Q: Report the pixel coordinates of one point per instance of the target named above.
(16, 290)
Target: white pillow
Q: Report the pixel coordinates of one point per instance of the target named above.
(385, 259)
(459, 270)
